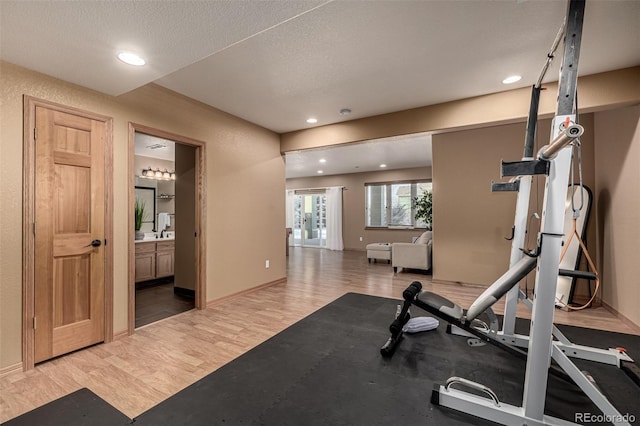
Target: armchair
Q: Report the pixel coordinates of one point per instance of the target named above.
(416, 255)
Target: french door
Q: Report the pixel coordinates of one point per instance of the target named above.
(310, 223)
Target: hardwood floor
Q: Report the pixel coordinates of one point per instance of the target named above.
(137, 372)
(156, 300)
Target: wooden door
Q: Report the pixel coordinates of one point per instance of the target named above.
(69, 276)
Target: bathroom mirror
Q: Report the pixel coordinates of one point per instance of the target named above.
(148, 196)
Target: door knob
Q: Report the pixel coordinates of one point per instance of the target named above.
(95, 243)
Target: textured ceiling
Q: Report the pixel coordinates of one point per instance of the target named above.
(276, 63)
(77, 41)
(154, 147)
(398, 152)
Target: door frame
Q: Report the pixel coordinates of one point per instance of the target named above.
(200, 209)
(28, 221)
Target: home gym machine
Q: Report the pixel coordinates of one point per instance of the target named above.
(545, 343)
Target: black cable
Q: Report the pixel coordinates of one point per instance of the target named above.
(537, 194)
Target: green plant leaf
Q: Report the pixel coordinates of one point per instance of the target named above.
(138, 213)
(424, 205)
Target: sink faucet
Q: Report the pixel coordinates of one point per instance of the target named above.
(162, 233)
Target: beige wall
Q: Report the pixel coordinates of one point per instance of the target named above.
(244, 196)
(502, 115)
(245, 156)
(184, 220)
(353, 204)
(597, 92)
(470, 222)
(618, 208)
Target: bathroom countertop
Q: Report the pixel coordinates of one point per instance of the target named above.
(154, 240)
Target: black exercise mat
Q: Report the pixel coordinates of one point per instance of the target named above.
(327, 370)
(80, 408)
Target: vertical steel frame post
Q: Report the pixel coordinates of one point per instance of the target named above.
(552, 224)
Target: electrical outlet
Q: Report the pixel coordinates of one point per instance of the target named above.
(360, 238)
(266, 264)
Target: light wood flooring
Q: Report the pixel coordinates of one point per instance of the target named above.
(137, 372)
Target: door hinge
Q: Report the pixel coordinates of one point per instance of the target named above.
(34, 228)
(34, 323)
(35, 133)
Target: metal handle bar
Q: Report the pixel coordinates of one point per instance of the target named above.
(567, 136)
(473, 385)
(551, 54)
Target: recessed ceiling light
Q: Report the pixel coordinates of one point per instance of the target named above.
(322, 160)
(382, 166)
(312, 120)
(345, 111)
(131, 58)
(511, 79)
(320, 172)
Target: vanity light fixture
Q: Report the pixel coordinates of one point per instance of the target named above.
(146, 173)
(149, 173)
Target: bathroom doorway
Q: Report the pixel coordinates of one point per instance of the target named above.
(166, 273)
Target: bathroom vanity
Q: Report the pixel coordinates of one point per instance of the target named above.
(154, 258)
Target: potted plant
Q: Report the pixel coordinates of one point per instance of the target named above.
(424, 204)
(138, 214)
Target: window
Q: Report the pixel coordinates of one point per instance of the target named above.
(391, 204)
